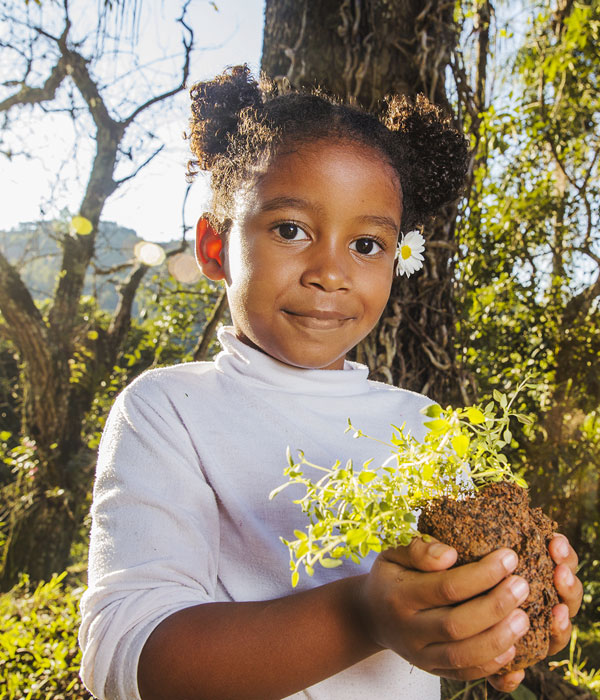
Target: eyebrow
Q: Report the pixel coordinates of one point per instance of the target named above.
(284, 202)
(380, 221)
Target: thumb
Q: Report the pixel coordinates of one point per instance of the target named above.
(421, 555)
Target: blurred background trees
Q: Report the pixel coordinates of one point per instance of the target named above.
(66, 347)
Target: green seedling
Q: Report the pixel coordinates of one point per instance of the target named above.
(353, 511)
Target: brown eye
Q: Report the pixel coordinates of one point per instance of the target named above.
(366, 246)
(291, 232)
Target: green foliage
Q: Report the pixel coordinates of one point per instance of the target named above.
(575, 669)
(528, 295)
(172, 316)
(39, 655)
(356, 511)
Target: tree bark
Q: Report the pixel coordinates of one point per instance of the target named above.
(362, 51)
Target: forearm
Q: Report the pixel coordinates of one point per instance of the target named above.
(257, 650)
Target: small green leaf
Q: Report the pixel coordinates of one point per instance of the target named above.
(438, 425)
(331, 563)
(355, 537)
(5, 435)
(475, 416)
(366, 476)
(295, 577)
(460, 444)
(432, 411)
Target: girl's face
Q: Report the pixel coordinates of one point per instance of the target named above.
(310, 256)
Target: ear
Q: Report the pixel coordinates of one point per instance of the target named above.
(209, 246)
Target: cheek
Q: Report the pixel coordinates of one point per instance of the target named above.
(237, 256)
(379, 294)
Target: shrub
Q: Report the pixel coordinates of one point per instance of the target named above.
(39, 655)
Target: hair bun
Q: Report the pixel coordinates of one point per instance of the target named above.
(216, 108)
(435, 154)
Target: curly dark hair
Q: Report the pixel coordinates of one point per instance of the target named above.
(238, 125)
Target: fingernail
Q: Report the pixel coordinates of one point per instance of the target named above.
(510, 561)
(437, 550)
(568, 578)
(519, 623)
(563, 620)
(505, 657)
(519, 588)
(562, 547)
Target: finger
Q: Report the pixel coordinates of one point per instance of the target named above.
(483, 654)
(560, 634)
(562, 552)
(507, 682)
(569, 588)
(442, 588)
(422, 555)
(474, 616)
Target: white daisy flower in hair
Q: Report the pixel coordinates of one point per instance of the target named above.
(408, 253)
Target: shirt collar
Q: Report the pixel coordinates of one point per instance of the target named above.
(253, 366)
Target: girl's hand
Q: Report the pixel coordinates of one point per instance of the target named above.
(570, 591)
(460, 623)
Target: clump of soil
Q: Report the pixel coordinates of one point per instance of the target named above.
(497, 516)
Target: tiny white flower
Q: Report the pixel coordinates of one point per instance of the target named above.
(408, 253)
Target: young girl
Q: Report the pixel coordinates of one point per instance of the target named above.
(189, 585)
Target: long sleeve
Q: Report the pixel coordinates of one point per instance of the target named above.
(154, 540)
(182, 515)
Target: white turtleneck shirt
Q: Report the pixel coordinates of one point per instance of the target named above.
(181, 512)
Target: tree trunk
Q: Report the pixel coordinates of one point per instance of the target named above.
(362, 51)
(41, 528)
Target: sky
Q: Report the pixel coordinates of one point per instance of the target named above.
(227, 32)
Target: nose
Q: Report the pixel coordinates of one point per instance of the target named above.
(326, 269)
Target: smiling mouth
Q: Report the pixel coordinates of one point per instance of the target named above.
(320, 320)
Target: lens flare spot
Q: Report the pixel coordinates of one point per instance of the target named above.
(184, 268)
(148, 253)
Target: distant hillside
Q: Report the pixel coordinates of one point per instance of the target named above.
(33, 248)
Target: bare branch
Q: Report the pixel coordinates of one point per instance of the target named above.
(32, 95)
(201, 350)
(80, 75)
(187, 45)
(580, 304)
(17, 305)
(118, 183)
(184, 228)
(111, 270)
(121, 319)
